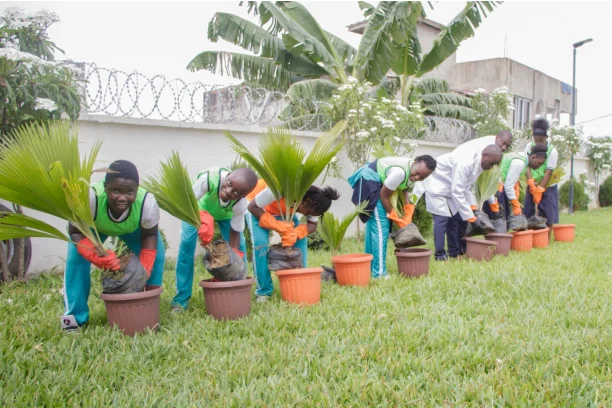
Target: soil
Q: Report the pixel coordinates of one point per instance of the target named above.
(123, 263)
(290, 251)
(219, 256)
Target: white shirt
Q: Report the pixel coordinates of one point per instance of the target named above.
(551, 160)
(395, 177)
(266, 197)
(474, 145)
(200, 188)
(150, 210)
(514, 173)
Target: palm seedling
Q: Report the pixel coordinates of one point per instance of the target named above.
(487, 185)
(332, 230)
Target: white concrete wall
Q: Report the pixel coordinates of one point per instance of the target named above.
(146, 142)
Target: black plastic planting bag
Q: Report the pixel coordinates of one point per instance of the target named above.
(481, 226)
(500, 225)
(131, 278)
(280, 258)
(517, 223)
(408, 237)
(329, 274)
(536, 222)
(223, 263)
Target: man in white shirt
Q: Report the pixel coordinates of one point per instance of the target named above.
(503, 139)
(449, 195)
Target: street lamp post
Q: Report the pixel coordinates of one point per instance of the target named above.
(573, 122)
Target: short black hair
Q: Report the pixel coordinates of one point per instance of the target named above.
(320, 199)
(429, 161)
(540, 150)
(540, 127)
(122, 169)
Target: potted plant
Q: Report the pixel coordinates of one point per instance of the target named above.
(173, 191)
(289, 173)
(41, 169)
(349, 269)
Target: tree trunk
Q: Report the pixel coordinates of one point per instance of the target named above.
(6, 275)
(21, 253)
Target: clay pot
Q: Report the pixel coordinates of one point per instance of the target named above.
(413, 262)
(133, 312)
(227, 300)
(503, 242)
(540, 238)
(480, 249)
(302, 286)
(353, 269)
(522, 241)
(564, 232)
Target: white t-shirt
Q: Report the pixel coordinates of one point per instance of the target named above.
(395, 177)
(551, 160)
(266, 197)
(200, 188)
(150, 210)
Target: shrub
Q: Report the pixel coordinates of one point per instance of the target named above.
(605, 193)
(423, 218)
(581, 198)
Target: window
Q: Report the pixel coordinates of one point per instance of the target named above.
(522, 110)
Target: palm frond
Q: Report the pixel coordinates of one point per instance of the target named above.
(487, 184)
(333, 230)
(14, 225)
(41, 169)
(312, 90)
(172, 189)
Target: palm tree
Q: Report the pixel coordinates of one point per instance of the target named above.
(332, 229)
(283, 163)
(295, 54)
(486, 185)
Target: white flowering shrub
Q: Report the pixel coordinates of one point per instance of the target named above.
(374, 122)
(567, 140)
(492, 111)
(33, 87)
(600, 156)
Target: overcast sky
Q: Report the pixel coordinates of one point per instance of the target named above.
(162, 37)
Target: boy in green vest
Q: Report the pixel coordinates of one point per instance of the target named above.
(376, 182)
(121, 209)
(221, 197)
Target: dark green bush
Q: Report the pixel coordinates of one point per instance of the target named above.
(605, 193)
(423, 218)
(581, 198)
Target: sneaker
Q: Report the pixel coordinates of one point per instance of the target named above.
(69, 323)
(262, 299)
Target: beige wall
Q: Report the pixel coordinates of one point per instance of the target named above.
(427, 34)
(146, 142)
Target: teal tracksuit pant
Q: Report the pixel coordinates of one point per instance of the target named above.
(185, 261)
(77, 278)
(260, 237)
(376, 237)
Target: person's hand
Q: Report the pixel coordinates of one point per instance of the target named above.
(301, 231)
(474, 207)
(473, 219)
(87, 250)
(207, 228)
(238, 252)
(500, 187)
(516, 207)
(537, 194)
(396, 219)
(268, 221)
(408, 213)
(147, 259)
(531, 184)
(517, 190)
(288, 238)
(494, 207)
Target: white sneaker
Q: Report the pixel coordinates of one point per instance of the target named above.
(262, 299)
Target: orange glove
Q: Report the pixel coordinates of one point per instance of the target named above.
(147, 259)
(207, 227)
(517, 189)
(473, 219)
(396, 219)
(268, 221)
(408, 213)
(474, 207)
(87, 250)
(516, 207)
(500, 187)
(531, 185)
(288, 238)
(537, 194)
(494, 207)
(238, 252)
(301, 231)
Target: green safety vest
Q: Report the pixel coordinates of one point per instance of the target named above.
(106, 225)
(211, 201)
(538, 174)
(507, 160)
(384, 165)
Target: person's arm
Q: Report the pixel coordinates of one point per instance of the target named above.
(261, 200)
(385, 198)
(149, 227)
(148, 238)
(460, 189)
(551, 165)
(395, 177)
(514, 173)
(268, 221)
(237, 222)
(200, 187)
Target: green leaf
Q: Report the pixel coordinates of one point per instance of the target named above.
(312, 90)
(487, 184)
(173, 191)
(333, 230)
(14, 225)
(265, 72)
(451, 111)
(460, 28)
(366, 8)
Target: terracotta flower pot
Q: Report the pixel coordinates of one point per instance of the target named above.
(540, 238)
(522, 241)
(302, 286)
(353, 269)
(564, 232)
(480, 249)
(227, 300)
(503, 242)
(413, 262)
(133, 312)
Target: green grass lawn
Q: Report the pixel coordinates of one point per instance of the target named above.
(530, 329)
